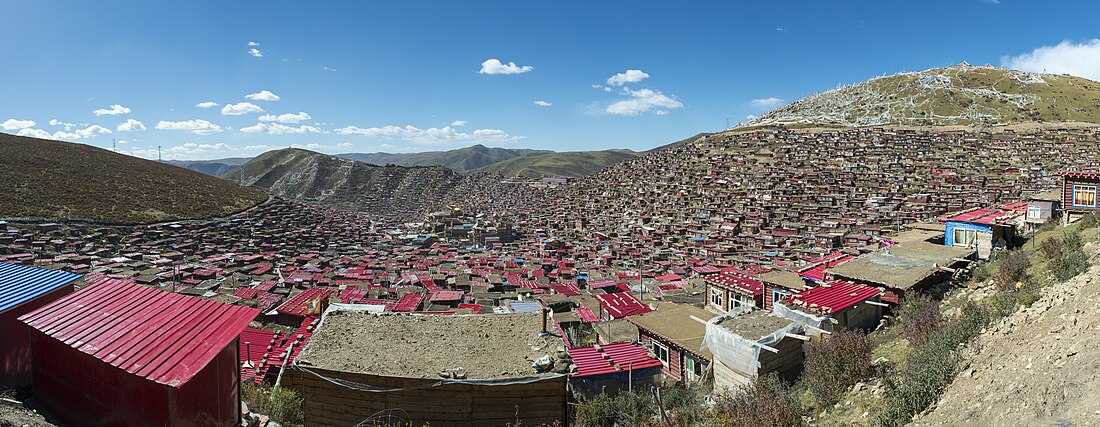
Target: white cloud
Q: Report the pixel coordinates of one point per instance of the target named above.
(601, 87)
(88, 132)
(113, 110)
(445, 134)
(766, 102)
(629, 76)
(263, 95)
(327, 69)
(55, 122)
(15, 124)
(661, 112)
(458, 123)
(34, 133)
(241, 108)
(494, 66)
(642, 101)
(280, 129)
(131, 125)
(542, 103)
(197, 127)
(207, 104)
(1079, 59)
(251, 43)
(286, 118)
(255, 53)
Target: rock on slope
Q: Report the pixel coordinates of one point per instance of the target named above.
(1038, 366)
(66, 181)
(387, 191)
(957, 95)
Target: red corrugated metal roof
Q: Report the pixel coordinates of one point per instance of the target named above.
(622, 304)
(833, 296)
(299, 304)
(409, 302)
(611, 358)
(738, 282)
(161, 336)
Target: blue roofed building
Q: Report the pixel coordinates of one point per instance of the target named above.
(22, 290)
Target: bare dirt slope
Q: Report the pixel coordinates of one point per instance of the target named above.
(1038, 366)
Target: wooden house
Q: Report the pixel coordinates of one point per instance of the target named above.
(1079, 194)
(674, 332)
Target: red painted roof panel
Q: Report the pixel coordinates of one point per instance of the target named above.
(161, 336)
(611, 358)
(833, 297)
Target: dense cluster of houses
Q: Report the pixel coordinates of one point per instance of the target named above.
(711, 260)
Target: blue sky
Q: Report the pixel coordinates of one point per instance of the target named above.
(417, 76)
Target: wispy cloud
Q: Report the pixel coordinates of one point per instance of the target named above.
(446, 134)
(241, 108)
(494, 66)
(113, 110)
(1079, 59)
(130, 125)
(766, 102)
(628, 76)
(16, 124)
(197, 127)
(207, 104)
(542, 103)
(286, 118)
(643, 101)
(280, 129)
(256, 53)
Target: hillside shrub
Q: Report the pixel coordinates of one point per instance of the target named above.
(765, 401)
(931, 366)
(626, 408)
(281, 404)
(918, 317)
(1012, 269)
(836, 363)
(1065, 258)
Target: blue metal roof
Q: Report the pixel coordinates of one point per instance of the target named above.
(19, 283)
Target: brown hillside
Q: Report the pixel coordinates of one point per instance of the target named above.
(65, 181)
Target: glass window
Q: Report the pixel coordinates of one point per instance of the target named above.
(716, 297)
(1084, 196)
(661, 352)
(1034, 212)
(964, 237)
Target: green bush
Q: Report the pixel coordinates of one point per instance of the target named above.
(836, 363)
(1065, 257)
(931, 366)
(919, 316)
(627, 408)
(1012, 269)
(763, 402)
(1090, 221)
(281, 404)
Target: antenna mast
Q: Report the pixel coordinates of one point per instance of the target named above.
(159, 159)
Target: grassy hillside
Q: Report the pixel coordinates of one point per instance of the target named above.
(460, 160)
(957, 95)
(680, 142)
(394, 192)
(66, 181)
(210, 167)
(568, 164)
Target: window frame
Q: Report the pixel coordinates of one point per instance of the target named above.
(716, 293)
(657, 354)
(1037, 210)
(973, 237)
(1089, 188)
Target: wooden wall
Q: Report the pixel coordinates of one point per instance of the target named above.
(328, 404)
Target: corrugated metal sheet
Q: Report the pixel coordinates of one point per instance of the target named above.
(160, 336)
(19, 283)
(833, 296)
(610, 358)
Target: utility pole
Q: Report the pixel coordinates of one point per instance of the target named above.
(159, 159)
(114, 145)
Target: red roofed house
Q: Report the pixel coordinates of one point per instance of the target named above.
(612, 367)
(1079, 194)
(675, 332)
(617, 305)
(984, 229)
(728, 290)
(852, 306)
(120, 354)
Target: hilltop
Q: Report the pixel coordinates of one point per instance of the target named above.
(956, 95)
(67, 181)
(569, 164)
(459, 160)
(395, 192)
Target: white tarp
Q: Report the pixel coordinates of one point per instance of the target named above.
(737, 352)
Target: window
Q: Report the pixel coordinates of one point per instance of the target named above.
(964, 237)
(1084, 196)
(716, 297)
(778, 295)
(1034, 212)
(737, 300)
(661, 352)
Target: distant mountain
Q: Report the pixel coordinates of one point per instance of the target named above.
(67, 181)
(957, 95)
(210, 167)
(680, 142)
(395, 192)
(565, 164)
(460, 160)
